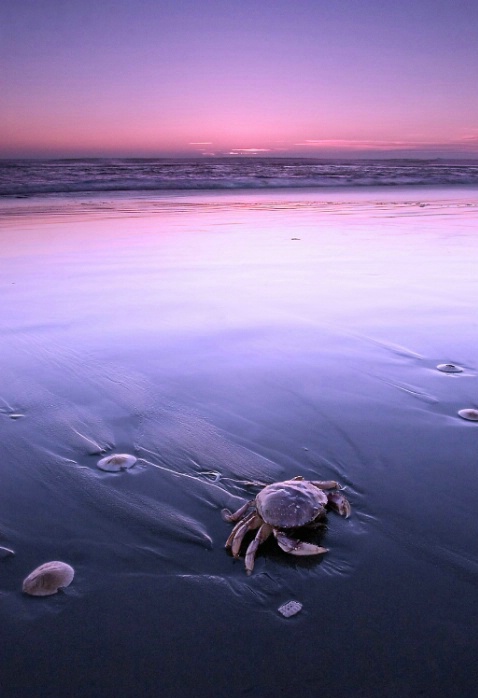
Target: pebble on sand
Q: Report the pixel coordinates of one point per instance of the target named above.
(48, 578)
(116, 462)
(291, 608)
(449, 368)
(469, 413)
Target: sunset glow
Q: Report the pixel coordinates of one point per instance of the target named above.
(218, 78)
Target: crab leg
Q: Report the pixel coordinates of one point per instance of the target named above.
(228, 516)
(297, 547)
(233, 532)
(262, 534)
(238, 525)
(326, 484)
(248, 524)
(338, 503)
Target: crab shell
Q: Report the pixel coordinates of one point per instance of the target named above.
(291, 503)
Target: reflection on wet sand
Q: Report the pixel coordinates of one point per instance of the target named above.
(196, 336)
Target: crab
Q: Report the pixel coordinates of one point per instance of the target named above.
(280, 508)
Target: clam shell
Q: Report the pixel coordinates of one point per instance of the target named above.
(470, 413)
(449, 368)
(116, 462)
(48, 578)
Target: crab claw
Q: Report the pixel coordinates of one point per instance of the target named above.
(297, 547)
(339, 503)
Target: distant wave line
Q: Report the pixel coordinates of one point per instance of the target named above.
(28, 178)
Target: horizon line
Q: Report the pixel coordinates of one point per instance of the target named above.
(248, 156)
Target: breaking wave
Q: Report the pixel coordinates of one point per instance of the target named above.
(33, 177)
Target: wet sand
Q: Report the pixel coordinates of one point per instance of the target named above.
(228, 339)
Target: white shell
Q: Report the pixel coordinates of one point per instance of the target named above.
(470, 413)
(48, 578)
(291, 608)
(6, 552)
(449, 368)
(116, 462)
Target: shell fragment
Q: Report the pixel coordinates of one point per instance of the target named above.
(116, 462)
(449, 368)
(291, 608)
(469, 413)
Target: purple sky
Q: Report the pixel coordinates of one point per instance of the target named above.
(341, 78)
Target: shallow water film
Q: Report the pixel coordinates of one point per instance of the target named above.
(228, 341)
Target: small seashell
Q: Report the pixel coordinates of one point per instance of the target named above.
(291, 608)
(116, 462)
(6, 552)
(48, 578)
(469, 413)
(449, 368)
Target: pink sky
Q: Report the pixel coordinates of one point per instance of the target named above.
(148, 78)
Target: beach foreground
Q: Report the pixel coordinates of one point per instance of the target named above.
(224, 340)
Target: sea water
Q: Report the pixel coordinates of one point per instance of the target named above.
(30, 177)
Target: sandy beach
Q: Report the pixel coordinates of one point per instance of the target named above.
(229, 339)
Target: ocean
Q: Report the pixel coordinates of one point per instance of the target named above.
(34, 177)
(229, 339)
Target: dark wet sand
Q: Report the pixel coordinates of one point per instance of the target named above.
(197, 334)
